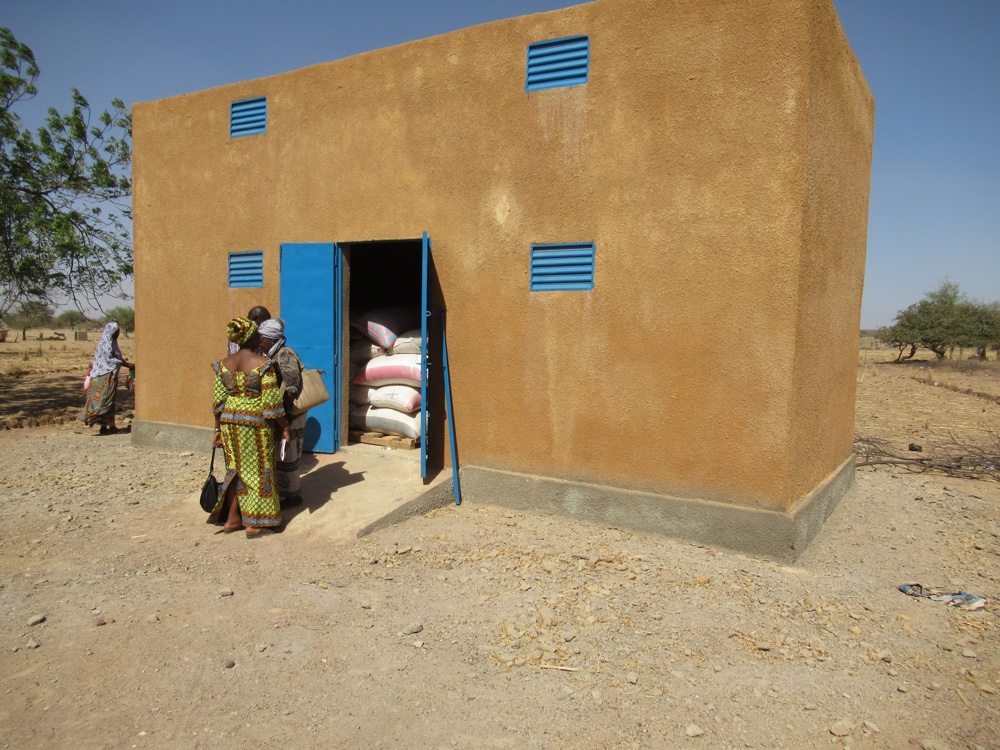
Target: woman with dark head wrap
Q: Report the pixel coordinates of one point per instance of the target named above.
(102, 391)
(247, 403)
(289, 371)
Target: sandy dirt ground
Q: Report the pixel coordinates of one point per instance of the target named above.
(125, 622)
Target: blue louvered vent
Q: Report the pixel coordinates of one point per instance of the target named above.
(558, 62)
(246, 269)
(562, 267)
(248, 117)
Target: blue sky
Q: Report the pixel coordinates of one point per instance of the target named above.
(933, 67)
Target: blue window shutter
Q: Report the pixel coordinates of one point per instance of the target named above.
(565, 267)
(558, 62)
(248, 117)
(246, 269)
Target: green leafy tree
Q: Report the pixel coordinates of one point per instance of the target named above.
(944, 319)
(64, 193)
(904, 333)
(72, 319)
(123, 316)
(31, 314)
(980, 327)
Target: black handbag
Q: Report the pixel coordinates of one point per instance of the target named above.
(210, 491)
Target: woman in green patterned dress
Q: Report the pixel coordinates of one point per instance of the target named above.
(246, 404)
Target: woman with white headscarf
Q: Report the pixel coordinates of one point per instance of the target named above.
(102, 391)
(289, 371)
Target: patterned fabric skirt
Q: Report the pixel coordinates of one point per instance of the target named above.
(289, 482)
(99, 407)
(250, 465)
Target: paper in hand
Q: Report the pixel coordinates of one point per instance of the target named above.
(282, 454)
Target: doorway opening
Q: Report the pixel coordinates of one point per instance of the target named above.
(383, 300)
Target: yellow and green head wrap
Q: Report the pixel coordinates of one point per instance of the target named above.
(241, 330)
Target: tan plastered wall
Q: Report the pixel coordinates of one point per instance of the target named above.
(832, 259)
(690, 158)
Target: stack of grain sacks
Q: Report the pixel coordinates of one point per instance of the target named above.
(386, 372)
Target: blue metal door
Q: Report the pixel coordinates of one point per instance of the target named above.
(311, 279)
(425, 319)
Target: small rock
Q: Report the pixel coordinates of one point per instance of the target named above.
(15, 649)
(902, 688)
(693, 730)
(989, 689)
(406, 549)
(36, 620)
(153, 619)
(969, 654)
(761, 646)
(101, 621)
(810, 707)
(261, 648)
(841, 728)
(631, 678)
(32, 644)
(229, 664)
(870, 727)
(932, 744)
(366, 605)
(885, 656)
(413, 628)
(226, 592)
(418, 644)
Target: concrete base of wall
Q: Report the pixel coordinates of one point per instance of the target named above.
(777, 536)
(769, 534)
(172, 437)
